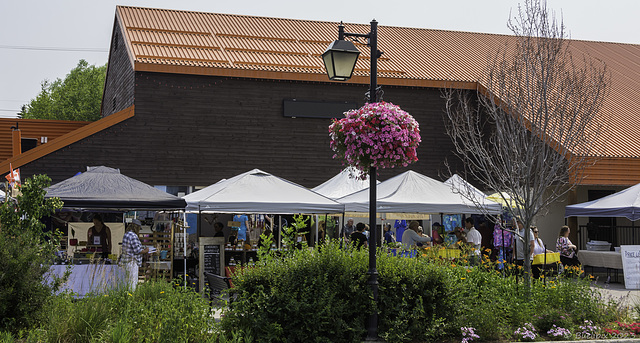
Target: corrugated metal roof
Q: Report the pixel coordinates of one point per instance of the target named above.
(245, 46)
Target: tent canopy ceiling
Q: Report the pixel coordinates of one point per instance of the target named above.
(257, 191)
(625, 203)
(104, 188)
(411, 192)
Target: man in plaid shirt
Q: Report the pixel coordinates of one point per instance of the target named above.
(132, 251)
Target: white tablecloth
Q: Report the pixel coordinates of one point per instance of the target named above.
(90, 278)
(604, 259)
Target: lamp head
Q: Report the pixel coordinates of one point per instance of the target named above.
(340, 60)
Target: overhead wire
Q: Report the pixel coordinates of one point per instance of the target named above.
(45, 48)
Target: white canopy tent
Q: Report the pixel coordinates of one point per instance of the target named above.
(344, 183)
(465, 189)
(257, 191)
(625, 203)
(411, 192)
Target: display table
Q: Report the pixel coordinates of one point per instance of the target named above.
(604, 259)
(610, 260)
(89, 278)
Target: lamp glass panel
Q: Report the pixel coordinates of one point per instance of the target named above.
(344, 62)
(327, 57)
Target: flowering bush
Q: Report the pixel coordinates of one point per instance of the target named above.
(588, 330)
(468, 334)
(378, 134)
(558, 333)
(526, 333)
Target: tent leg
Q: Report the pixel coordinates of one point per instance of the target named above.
(184, 259)
(279, 231)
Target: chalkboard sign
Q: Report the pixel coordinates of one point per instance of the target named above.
(212, 259)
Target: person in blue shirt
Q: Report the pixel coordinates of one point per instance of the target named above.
(244, 223)
(388, 234)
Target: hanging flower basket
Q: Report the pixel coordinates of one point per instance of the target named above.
(379, 134)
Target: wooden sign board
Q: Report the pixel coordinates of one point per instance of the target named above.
(233, 224)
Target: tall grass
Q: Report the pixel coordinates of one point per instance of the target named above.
(155, 312)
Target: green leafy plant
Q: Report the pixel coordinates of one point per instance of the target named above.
(155, 312)
(26, 252)
(309, 293)
(290, 234)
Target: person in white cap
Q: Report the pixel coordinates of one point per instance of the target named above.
(132, 250)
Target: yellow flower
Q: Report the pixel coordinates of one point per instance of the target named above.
(130, 294)
(162, 292)
(462, 278)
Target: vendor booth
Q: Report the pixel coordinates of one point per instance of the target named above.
(411, 195)
(625, 203)
(105, 190)
(255, 193)
(411, 192)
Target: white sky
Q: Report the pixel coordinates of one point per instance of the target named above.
(28, 26)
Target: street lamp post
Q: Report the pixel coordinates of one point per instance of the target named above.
(340, 60)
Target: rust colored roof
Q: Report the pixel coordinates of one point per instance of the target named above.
(70, 137)
(173, 41)
(34, 129)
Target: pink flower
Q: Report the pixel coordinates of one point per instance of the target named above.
(377, 134)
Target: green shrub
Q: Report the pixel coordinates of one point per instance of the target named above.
(313, 295)
(155, 312)
(26, 253)
(415, 299)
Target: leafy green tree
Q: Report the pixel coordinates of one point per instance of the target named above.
(77, 97)
(26, 254)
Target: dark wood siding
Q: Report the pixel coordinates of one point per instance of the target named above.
(119, 85)
(196, 130)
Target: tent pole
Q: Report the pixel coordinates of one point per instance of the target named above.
(279, 231)
(341, 225)
(184, 254)
(326, 215)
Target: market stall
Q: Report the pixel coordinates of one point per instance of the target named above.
(413, 196)
(411, 192)
(342, 184)
(256, 192)
(105, 190)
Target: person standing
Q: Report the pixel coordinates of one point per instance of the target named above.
(99, 235)
(388, 234)
(132, 250)
(348, 229)
(357, 238)
(410, 237)
(538, 249)
(218, 227)
(567, 249)
(244, 224)
(474, 238)
(518, 243)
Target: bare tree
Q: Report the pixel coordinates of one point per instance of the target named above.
(532, 126)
